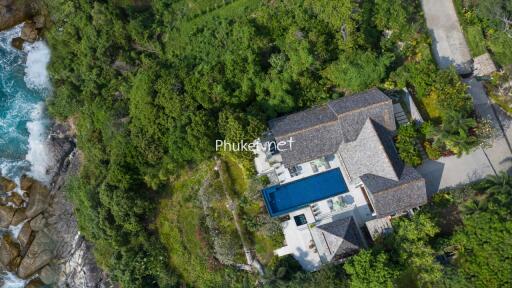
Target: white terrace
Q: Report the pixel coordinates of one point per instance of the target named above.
(302, 241)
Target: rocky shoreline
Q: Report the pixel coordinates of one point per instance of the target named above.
(30, 13)
(49, 249)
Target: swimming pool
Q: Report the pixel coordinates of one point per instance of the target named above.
(282, 199)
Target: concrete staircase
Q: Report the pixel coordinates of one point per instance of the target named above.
(400, 116)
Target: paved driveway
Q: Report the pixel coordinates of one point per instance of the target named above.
(449, 46)
(452, 171)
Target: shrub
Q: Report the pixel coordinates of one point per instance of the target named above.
(500, 44)
(406, 142)
(432, 151)
(428, 130)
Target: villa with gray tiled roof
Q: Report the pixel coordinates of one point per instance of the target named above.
(341, 175)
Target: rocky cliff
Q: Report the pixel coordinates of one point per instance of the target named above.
(49, 248)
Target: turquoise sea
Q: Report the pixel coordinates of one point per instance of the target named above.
(24, 85)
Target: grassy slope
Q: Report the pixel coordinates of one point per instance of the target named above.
(244, 186)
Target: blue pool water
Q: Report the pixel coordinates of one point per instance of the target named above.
(282, 199)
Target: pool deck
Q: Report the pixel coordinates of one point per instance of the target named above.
(299, 240)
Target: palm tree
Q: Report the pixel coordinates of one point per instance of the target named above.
(459, 142)
(498, 184)
(500, 189)
(454, 121)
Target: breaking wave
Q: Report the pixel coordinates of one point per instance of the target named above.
(24, 86)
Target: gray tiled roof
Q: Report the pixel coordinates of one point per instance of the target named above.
(340, 237)
(372, 157)
(390, 197)
(371, 153)
(320, 130)
(302, 120)
(360, 127)
(358, 101)
(311, 144)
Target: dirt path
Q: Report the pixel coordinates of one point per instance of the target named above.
(251, 260)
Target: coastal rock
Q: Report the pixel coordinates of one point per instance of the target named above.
(35, 283)
(19, 216)
(9, 250)
(38, 223)
(14, 12)
(48, 275)
(17, 43)
(39, 254)
(38, 199)
(6, 185)
(29, 32)
(26, 182)
(15, 199)
(77, 266)
(24, 237)
(6, 215)
(39, 21)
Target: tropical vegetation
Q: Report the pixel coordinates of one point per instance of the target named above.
(151, 85)
(488, 28)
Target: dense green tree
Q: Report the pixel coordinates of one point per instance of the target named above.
(416, 256)
(359, 70)
(367, 269)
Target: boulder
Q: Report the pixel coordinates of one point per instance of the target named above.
(6, 185)
(24, 237)
(48, 275)
(19, 216)
(38, 223)
(26, 182)
(15, 199)
(39, 254)
(9, 250)
(13, 12)
(6, 215)
(35, 283)
(39, 21)
(38, 199)
(29, 32)
(17, 43)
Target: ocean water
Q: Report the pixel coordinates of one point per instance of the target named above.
(24, 85)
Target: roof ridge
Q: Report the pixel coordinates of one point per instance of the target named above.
(325, 123)
(381, 146)
(387, 190)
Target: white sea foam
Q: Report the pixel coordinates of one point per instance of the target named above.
(38, 153)
(38, 57)
(15, 230)
(38, 157)
(11, 281)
